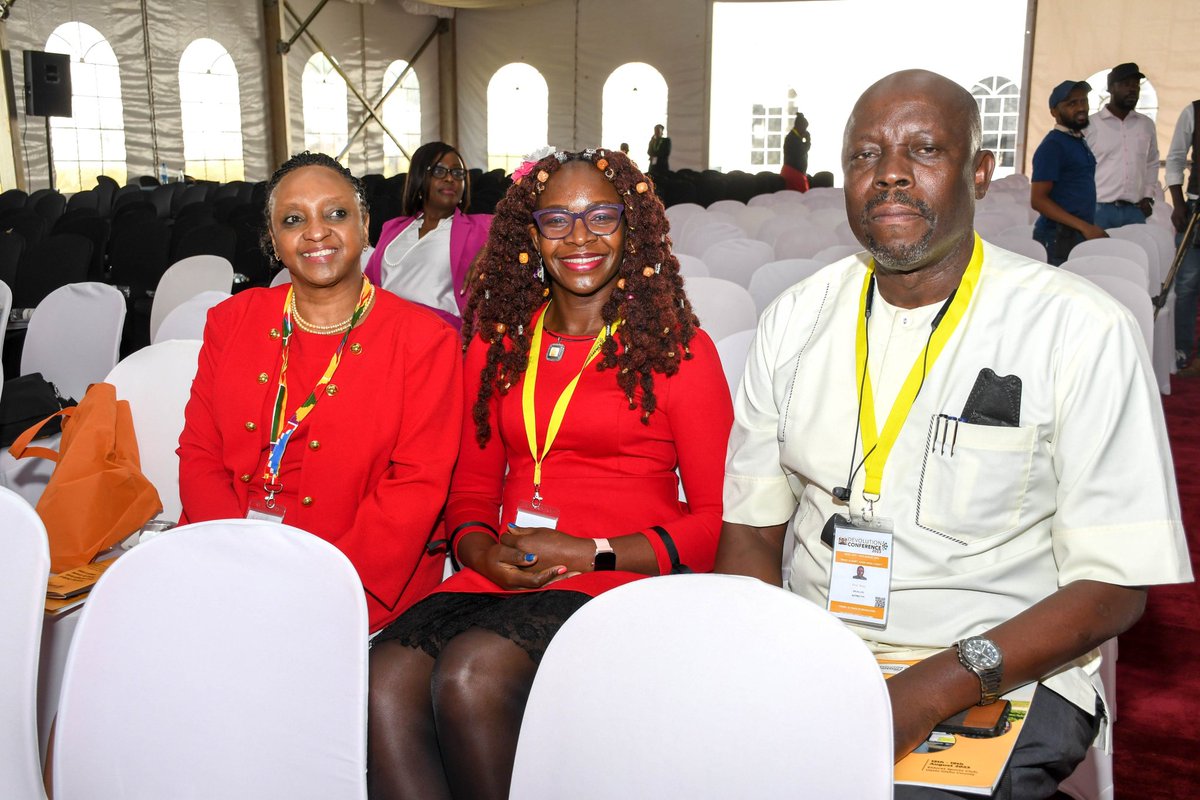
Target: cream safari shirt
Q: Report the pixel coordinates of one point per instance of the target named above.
(998, 518)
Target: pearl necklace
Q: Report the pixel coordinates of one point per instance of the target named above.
(326, 330)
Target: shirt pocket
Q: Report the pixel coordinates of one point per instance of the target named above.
(973, 479)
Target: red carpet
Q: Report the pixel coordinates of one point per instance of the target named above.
(1157, 745)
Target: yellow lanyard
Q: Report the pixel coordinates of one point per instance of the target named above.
(560, 406)
(877, 446)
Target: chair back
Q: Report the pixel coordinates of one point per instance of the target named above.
(1134, 298)
(680, 212)
(805, 240)
(837, 252)
(1140, 235)
(1022, 245)
(157, 382)
(1117, 266)
(187, 320)
(23, 573)
(723, 307)
(702, 231)
(222, 659)
(1119, 248)
(281, 277)
(737, 259)
(689, 266)
(705, 686)
(184, 280)
(53, 262)
(74, 336)
(733, 350)
(772, 280)
(752, 218)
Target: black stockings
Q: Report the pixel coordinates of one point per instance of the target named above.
(446, 728)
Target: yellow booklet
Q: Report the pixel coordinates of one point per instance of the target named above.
(68, 589)
(962, 763)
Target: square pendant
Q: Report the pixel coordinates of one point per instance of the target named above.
(555, 351)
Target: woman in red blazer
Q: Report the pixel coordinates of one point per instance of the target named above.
(324, 403)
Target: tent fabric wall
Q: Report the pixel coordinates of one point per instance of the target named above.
(1073, 42)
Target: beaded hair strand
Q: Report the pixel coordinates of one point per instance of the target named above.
(657, 319)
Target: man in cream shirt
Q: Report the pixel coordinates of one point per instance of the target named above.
(1006, 439)
(1125, 145)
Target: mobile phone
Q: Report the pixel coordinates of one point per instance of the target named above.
(980, 722)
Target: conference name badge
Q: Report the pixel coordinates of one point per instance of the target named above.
(860, 577)
(543, 516)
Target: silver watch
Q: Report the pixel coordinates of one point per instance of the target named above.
(982, 657)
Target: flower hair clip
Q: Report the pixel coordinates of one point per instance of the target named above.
(530, 160)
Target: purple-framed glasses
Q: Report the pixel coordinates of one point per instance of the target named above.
(601, 219)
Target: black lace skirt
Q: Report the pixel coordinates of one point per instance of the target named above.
(528, 619)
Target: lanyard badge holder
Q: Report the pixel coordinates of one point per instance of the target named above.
(281, 431)
(536, 513)
(860, 575)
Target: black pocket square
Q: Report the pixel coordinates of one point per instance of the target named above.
(994, 400)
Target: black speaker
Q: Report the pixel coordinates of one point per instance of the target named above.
(47, 84)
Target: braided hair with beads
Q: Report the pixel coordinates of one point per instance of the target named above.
(657, 322)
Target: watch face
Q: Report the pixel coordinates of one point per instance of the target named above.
(980, 653)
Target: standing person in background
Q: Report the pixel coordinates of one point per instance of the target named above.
(625, 148)
(659, 152)
(1187, 279)
(1064, 176)
(795, 155)
(428, 262)
(1125, 145)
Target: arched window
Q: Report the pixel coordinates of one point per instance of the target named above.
(1099, 95)
(635, 100)
(212, 113)
(402, 115)
(518, 108)
(91, 141)
(323, 94)
(999, 102)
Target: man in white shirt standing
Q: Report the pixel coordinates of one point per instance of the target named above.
(988, 423)
(1183, 205)
(1126, 148)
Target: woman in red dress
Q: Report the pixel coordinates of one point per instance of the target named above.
(591, 385)
(372, 382)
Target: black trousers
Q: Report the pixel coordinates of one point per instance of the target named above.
(1055, 738)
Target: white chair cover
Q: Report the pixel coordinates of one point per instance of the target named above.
(281, 277)
(23, 572)
(804, 240)
(845, 235)
(157, 382)
(1022, 231)
(1133, 297)
(837, 252)
(705, 686)
(222, 659)
(1120, 248)
(731, 207)
(186, 320)
(771, 280)
(185, 279)
(733, 350)
(74, 336)
(990, 223)
(827, 217)
(737, 259)
(1143, 238)
(1116, 266)
(703, 231)
(785, 220)
(723, 306)
(679, 213)
(751, 219)
(1023, 245)
(691, 266)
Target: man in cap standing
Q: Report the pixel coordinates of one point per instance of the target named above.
(1125, 145)
(1064, 176)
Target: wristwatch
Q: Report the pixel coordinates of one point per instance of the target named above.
(606, 558)
(982, 657)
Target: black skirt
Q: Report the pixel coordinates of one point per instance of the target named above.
(528, 619)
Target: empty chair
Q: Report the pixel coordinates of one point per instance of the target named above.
(733, 350)
(186, 320)
(1025, 245)
(752, 218)
(215, 239)
(699, 234)
(1025, 231)
(689, 266)
(1119, 248)
(185, 279)
(23, 573)
(188, 194)
(222, 659)
(13, 198)
(737, 259)
(157, 382)
(681, 212)
(12, 247)
(845, 235)
(689, 660)
(826, 217)
(723, 307)
(1118, 267)
(74, 335)
(731, 207)
(53, 262)
(804, 241)
(1143, 238)
(49, 204)
(97, 231)
(773, 279)
(1134, 298)
(990, 223)
(29, 224)
(784, 220)
(283, 276)
(83, 201)
(837, 252)
(137, 255)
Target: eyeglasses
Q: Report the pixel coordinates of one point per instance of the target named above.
(557, 223)
(438, 171)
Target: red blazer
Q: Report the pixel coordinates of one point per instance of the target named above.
(378, 476)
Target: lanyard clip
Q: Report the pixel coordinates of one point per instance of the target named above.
(537, 497)
(869, 512)
(271, 489)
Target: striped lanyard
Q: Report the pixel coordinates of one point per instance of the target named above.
(560, 406)
(281, 429)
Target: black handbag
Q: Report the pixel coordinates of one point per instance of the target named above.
(26, 401)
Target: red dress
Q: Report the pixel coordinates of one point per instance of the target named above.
(607, 474)
(367, 470)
